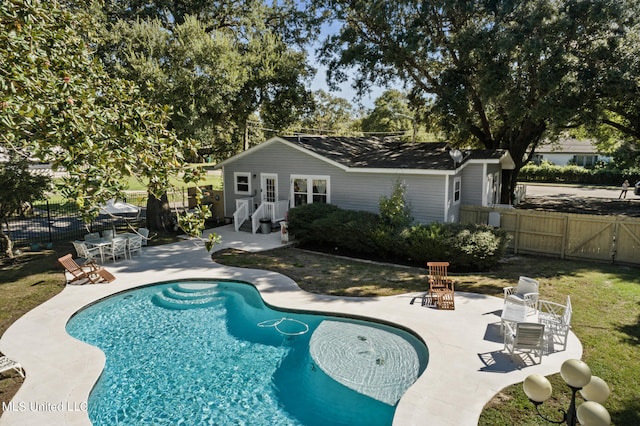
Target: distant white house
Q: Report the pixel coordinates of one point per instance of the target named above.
(581, 152)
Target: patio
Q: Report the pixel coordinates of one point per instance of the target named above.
(466, 366)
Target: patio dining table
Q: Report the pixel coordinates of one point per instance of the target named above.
(515, 312)
(105, 243)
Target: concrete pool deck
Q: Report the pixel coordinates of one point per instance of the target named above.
(467, 365)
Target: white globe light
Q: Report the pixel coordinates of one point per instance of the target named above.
(597, 390)
(576, 373)
(537, 388)
(591, 413)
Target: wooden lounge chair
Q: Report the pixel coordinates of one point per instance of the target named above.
(89, 271)
(441, 287)
(7, 364)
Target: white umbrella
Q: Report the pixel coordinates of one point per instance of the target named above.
(114, 207)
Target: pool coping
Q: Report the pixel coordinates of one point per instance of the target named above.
(467, 365)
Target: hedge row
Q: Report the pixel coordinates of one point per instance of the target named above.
(466, 247)
(552, 173)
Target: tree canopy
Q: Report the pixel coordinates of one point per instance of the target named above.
(215, 63)
(497, 74)
(59, 104)
(390, 114)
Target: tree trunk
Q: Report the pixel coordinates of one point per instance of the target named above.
(7, 242)
(159, 213)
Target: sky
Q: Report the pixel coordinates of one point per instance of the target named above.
(346, 91)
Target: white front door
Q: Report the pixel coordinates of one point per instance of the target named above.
(269, 187)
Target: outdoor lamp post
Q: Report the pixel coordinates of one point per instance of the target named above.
(578, 376)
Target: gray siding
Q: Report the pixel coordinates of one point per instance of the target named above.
(472, 184)
(362, 191)
(353, 191)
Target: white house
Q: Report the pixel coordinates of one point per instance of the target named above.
(581, 152)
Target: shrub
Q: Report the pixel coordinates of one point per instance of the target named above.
(467, 247)
(348, 230)
(427, 242)
(476, 247)
(395, 210)
(301, 218)
(606, 175)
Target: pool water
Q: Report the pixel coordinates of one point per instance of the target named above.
(199, 353)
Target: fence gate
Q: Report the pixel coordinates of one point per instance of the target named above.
(565, 235)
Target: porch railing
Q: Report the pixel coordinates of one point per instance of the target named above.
(242, 212)
(274, 211)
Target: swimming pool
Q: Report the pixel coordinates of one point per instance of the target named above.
(212, 353)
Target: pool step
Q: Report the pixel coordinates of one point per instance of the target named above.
(176, 293)
(175, 298)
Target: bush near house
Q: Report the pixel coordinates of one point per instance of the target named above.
(467, 246)
(551, 173)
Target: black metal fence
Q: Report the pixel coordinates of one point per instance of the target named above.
(47, 222)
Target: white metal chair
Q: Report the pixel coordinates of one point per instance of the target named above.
(144, 233)
(7, 364)
(556, 319)
(526, 293)
(118, 248)
(92, 236)
(85, 252)
(134, 243)
(524, 337)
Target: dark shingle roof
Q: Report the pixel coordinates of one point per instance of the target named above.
(377, 153)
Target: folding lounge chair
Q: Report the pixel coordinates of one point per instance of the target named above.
(90, 271)
(7, 364)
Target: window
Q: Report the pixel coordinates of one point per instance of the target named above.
(537, 159)
(585, 160)
(310, 189)
(242, 183)
(457, 184)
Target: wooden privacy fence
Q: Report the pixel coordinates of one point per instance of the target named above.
(565, 235)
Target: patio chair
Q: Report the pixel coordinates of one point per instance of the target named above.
(526, 293)
(144, 233)
(117, 248)
(525, 337)
(85, 252)
(108, 233)
(556, 319)
(441, 287)
(134, 244)
(7, 364)
(92, 236)
(89, 272)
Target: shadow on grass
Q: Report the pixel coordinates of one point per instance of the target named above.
(633, 333)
